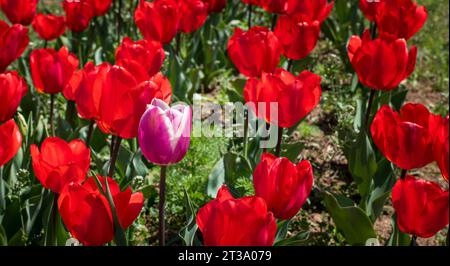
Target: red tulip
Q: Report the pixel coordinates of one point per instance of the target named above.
(19, 11)
(52, 70)
(12, 89)
(441, 147)
(13, 42)
(310, 10)
(59, 163)
(49, 27)
(275, 6)
(421, 206)
(254, 51)
(86, 212)
(381, 64)
(193, 14)
(101, 6)
(143, 58)
(216, 6)
(116, 100)
(11, 141)
(405, 138)
(296, 96)
(158, 20)
(162, 88)
(72, 86)
(78, 14)
(401, 19)
(298, 38)
(371, 8)
(81, 89)
(226, 221)
(283, 185)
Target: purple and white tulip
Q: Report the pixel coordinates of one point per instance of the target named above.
(164, 132)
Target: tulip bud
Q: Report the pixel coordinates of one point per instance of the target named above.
(78, 14)
(13, 42)
(11, 141)
(421, 206)
(383, 63)
(101, 6)
(164, 132)
(12, 89)
(296, 96)
(52, 70)
(283, 185)
(142, 58)
(405, 138)
(441, 147)
(19, 11)
(227, 221)
(158, 20)
(59, 163)
(254, 51)
(86, 212)
(401, 19)
(193, 14)
(371, 8)
(49, 27)
(297, 37)
(310, 10)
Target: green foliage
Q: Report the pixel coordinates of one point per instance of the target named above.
(354, 224)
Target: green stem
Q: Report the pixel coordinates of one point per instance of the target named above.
(50, 234)
(119, 232)
(112, 145)
(89, 133)
(403, 175)
(373, 30)
(177, 44)
(246, 133)
(162, 203)
(413, 241)
(369, 109)
(115, 147)
(274, 21)
(290, 64)
(71, 112)
(52, 107)
(279, 142)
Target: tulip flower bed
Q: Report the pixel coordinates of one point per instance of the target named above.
(113, 129)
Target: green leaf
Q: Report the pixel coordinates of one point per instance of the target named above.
(292, 150)
(301, 239)
(282, 229)
(398, 238)
(362, 163)
(3, 239)
(18, 239)
(383, 182)
(149, 191)
(216, 179)
(187, 233)
(352, 221)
